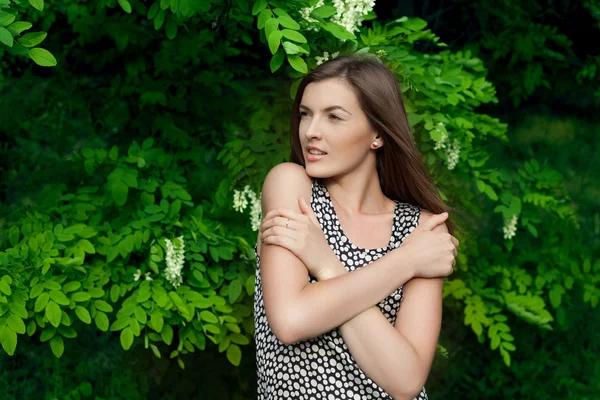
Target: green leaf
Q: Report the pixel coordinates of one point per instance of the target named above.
(259, 5)
(280, 12)
(83, 314)
(141, 315)
(239, 339)
(171, 32)
(81, 296)
(41, 302)
(234, 354)
(235, 290)
(153, 10)
(71, 286)
(31, 327)
(414, 24)
(53, 313)
(103, 306)
(8, 338)
(86, 246)
(119, 324)
(67, 332)
(59, 297)
(42, 57)
(19, 26)
(101, 321)
(155, 350)
(125, 6)
(157, 321)
(209, 317)
(6, 37)
(37, 4)
(126, 338)
(264, 16)
(119, 192)
(290, 48)
(16, 324)
(324, 11)
(159, 19)
(32, 39)
(5, 18)
(86, 389)
(293, 35)
(271, 26)
(274, 41)
(287, 22)
(298, 63)
(4, 288)
(167, 334)
(47, 334)
(57, 345)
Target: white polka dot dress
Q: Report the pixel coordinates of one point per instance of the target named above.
(322, 367)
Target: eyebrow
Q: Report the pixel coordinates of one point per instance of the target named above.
(330, 108)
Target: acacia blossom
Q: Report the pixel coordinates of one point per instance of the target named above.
(510, 227)
(174, 261)
(240, 203)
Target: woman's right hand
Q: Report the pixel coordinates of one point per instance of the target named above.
(430, 252)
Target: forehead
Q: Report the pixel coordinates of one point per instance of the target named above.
(318, 95)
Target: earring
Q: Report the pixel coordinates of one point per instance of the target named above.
(375, 144)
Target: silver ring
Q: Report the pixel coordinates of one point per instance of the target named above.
(286, 224)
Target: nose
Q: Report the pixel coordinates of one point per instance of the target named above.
(313, 130)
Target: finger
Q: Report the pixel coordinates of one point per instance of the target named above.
(434, 221)
(308, 211)
(280, 231)
(455, 241)
(281, 241)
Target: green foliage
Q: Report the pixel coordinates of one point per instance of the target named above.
(172, 105)
(11, 29)
(63, 273)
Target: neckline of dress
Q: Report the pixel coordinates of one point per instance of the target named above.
(348, 241)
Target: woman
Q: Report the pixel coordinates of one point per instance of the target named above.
(328, 326)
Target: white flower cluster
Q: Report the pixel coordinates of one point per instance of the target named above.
(452, 148)
(240, 203)
(510, 227)
(305, 12)
(350, 13)
(441, 144)
(453, 152)
(138, 274)
(381, 53)
(321, 60)
(175, 261)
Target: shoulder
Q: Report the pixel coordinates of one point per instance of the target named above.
(425, 215)
(283, 185)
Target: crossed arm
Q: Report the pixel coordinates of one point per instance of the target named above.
(397, 357)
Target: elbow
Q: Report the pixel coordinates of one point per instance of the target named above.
(408, 392)
(286, 331)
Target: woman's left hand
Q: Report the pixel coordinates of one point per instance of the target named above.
(302, 235)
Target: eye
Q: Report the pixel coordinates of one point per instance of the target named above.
(302, 114)
(335, 117)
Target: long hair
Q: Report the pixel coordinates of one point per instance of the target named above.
(402, 173)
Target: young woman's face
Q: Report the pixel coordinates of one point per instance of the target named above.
(331, 119)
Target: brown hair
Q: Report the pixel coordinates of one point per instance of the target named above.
(401, 171)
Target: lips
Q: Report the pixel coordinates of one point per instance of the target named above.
(308, 148)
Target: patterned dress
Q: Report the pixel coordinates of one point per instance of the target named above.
(322, 367)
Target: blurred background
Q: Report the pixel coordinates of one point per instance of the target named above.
(135, 136)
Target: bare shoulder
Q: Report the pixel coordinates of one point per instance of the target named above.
(424, 217)
(283, 185)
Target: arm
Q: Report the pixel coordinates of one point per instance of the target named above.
(399, 357)
(296, 310)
